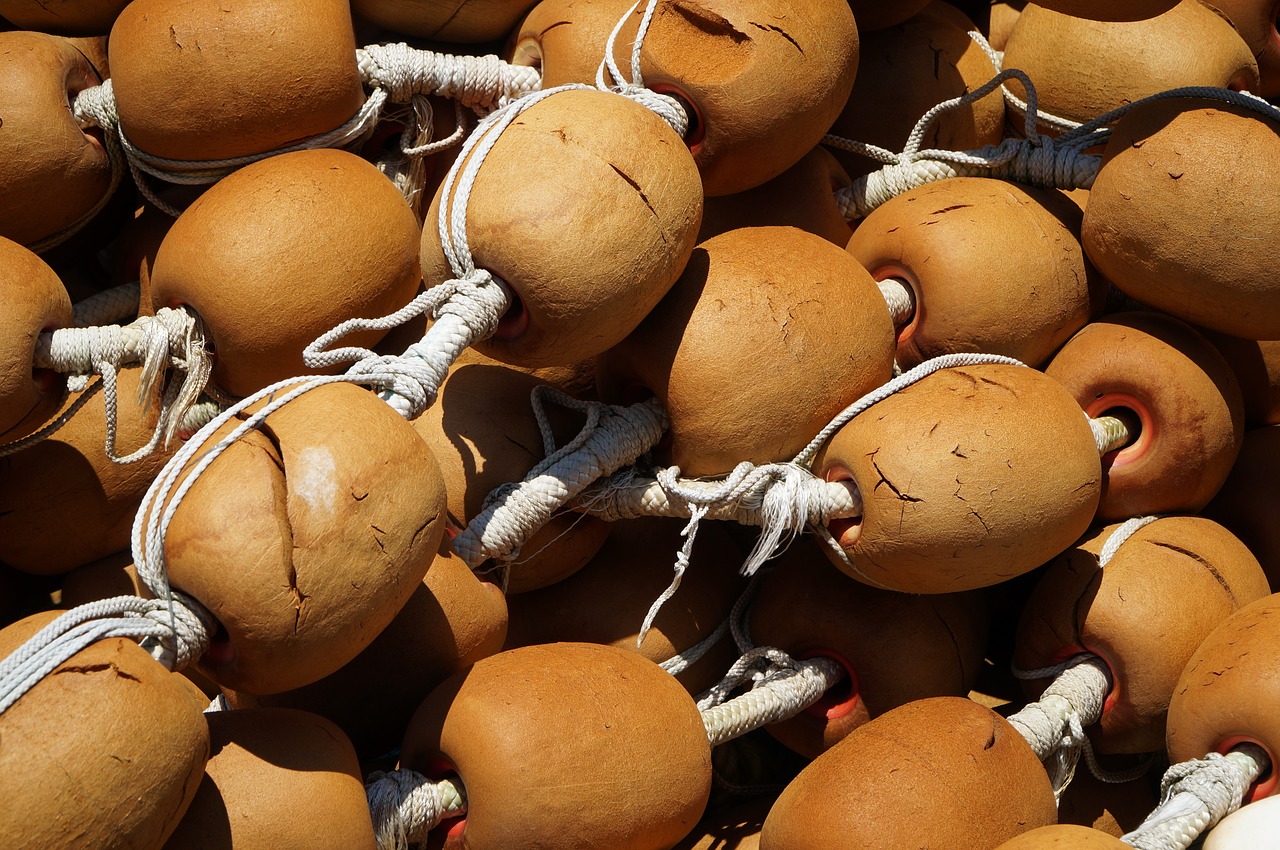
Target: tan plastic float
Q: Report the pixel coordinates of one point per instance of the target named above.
(1064, 837)
(1180, 398)
(306, 536)
(942, 772)
(63, 502)
(803, 196)
(282, 251)
(895, 647)
(1248, 501)
(1226, 695)
(769, 333)
(1181, 249)
(1145, 613)
(34, 301)
(1255, 20)
(606, 601)
(452, 620)
(105, 753)
(277, 778)
(723, 59)
(483, 431)
(969, 477)
(465, 21)
(906, 70)
(1083, 68)
(1004, 15)
(536, 733)
(65, 17)
(992, 266)
(53, 174)
(603, 222)
(195, 81)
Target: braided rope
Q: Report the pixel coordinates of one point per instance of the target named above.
(1037, 160)
(1121, 535)
(405, 806)
(175, 631)
(1109, 433)
(1020, 106)
(1195, 795)
(172, 339)
(899, 298)
(612, 437)
(87, 115)
(781, 687)
(109, 307)
(1054, 724)
(97, 106)
(480, 83)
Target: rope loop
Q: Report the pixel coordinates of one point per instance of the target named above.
(175, 631)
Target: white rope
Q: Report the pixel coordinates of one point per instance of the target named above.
(89, 114)
(170, 340)
(1054, 724)
(480, 83)
(899, 298)
(174, 631)
(406, 167)
(1121, 535)
(1037, 160)
(781, 687)
(1109, 433)
(1195, 795)
(681, 661)
(109, 307)
(97, 105)
(405, 806)
(1020, 106)
(464, 310)
(668, 108)
(612, 436)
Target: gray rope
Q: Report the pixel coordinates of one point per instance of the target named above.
(1196, 795)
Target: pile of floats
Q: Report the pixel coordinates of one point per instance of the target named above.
(689, 424)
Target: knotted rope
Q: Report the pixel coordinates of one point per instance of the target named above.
(170, 340)
(481, 83)
(780, 687)
(405, 806)
(612, 436)
(668, 108)
(89, 114)
(1196, 795)
(1038, 160)
(175, 631)
(1054, 724)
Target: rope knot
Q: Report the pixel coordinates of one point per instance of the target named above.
(96, 107)
(184, 636)
(665, 106)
